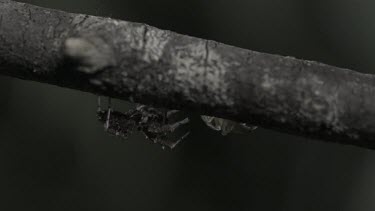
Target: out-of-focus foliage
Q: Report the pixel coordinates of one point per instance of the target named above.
(54, 155)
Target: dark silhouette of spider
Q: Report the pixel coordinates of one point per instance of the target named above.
(154, 123)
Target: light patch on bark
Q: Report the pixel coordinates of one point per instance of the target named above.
(268, 83)
(91, 54)
(202, 68)
(135, 38)
(322, 108)
(155, 42)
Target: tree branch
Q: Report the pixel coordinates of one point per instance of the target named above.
(140, 63)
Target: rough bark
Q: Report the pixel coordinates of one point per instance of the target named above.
(140, 63)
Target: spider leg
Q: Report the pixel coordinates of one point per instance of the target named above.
(171, 128)
(168, 114)
(174, 126)
(162, 134)
(244, 128)
(106, 126)
(173, 144)
(99, 105)
(171, 112)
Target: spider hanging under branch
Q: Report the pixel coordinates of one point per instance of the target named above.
(156, 124)
(152, 122)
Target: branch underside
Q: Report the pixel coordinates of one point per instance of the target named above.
(143, 64)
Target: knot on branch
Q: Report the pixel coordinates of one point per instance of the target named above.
(90, 54)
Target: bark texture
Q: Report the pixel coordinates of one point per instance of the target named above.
(140, 63)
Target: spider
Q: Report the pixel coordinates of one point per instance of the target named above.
(155, 123)
(152, 122)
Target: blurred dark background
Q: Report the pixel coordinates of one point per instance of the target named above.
(54, 155)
